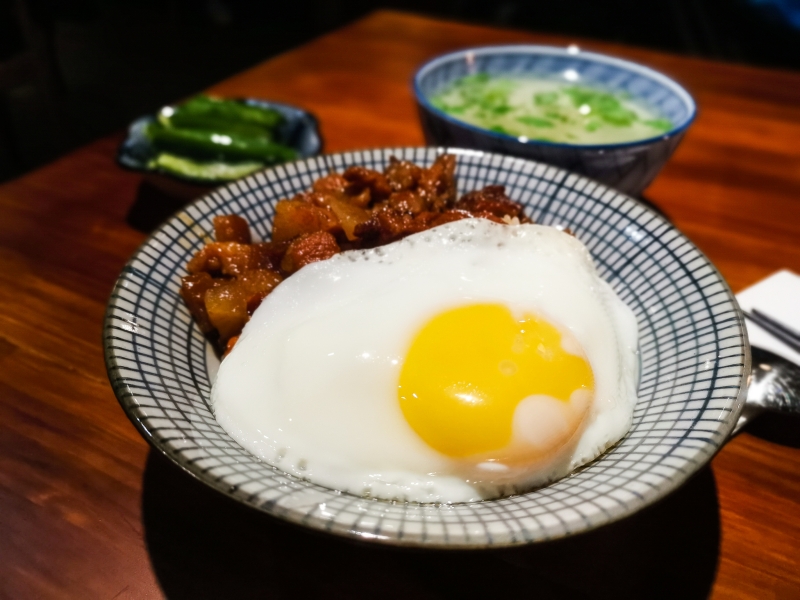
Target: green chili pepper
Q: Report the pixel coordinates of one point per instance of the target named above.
(182, 120)
(199, 143)
(232, 111)
(206, 171)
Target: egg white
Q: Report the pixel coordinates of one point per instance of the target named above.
(311, 385)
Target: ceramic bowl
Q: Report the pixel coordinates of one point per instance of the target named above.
(693, 350)
(628, 167)
(298, 131)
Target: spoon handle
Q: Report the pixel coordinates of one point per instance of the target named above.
(774, 385)
(775, 382)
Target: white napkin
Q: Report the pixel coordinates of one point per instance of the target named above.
(779, 297)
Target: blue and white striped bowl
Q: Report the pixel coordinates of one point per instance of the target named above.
(694, 361)
(628, 167)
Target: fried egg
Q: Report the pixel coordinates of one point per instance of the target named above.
(466, 362)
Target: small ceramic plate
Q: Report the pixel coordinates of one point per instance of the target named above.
(694, 361)
(299, 131)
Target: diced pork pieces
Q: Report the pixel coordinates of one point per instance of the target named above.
(360, 208)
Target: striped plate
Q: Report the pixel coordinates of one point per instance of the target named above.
(694, 359)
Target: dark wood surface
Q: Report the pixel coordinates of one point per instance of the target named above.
(88, 511)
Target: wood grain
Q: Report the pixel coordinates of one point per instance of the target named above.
(86, 511)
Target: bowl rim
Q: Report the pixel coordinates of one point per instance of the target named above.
(568, 51)
(127, 398)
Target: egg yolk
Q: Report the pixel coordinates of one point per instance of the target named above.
(469, 368)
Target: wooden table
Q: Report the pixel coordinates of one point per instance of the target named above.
(87, 510)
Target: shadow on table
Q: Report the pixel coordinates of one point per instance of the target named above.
(158, 198)
(205, 545)
(783, 429)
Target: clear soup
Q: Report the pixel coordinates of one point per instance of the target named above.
(548, 110)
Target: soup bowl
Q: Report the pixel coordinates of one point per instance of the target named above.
(626, 166)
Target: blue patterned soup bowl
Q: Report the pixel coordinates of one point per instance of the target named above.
(694, 361)
(628, 166)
